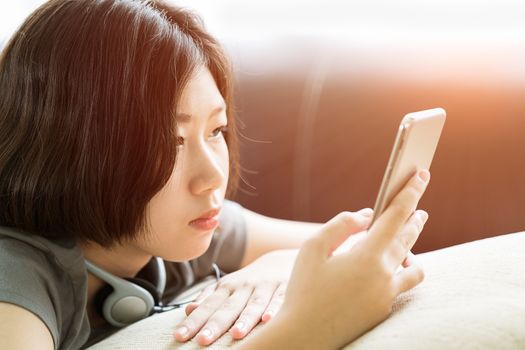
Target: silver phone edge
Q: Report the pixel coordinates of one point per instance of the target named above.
(380, 204)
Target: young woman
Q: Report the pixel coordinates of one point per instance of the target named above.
(118, 145)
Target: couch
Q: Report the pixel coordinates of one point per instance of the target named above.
(472, 298)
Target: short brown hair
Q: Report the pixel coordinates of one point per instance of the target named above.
(89, 91)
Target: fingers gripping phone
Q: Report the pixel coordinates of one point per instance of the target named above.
(414, 148)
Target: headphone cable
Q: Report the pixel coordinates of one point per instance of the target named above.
(163, 308)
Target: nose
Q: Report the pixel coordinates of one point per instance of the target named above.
(209, 172)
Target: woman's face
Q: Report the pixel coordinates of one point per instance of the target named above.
(183, 215)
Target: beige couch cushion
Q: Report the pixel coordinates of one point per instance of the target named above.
(473, 297)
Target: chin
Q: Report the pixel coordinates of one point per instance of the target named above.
(188, 252)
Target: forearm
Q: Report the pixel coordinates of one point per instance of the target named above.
(266, 234)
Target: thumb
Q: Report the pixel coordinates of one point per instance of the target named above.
(339, 228)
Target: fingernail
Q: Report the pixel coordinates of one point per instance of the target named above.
(240, 325)
(267, 316)
(424, 175)
(423, 215)
(181, 332)
(366, 212)
(206, 333)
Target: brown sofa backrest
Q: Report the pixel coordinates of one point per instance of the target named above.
(321, 114)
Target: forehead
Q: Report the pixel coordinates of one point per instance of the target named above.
(200, 97)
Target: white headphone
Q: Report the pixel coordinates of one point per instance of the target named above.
(125, 301)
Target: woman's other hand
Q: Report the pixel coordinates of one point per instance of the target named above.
(240, 300)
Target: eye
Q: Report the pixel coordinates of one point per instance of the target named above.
(220, 131)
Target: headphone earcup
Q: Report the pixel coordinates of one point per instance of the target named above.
(122, 302)
(127, 303)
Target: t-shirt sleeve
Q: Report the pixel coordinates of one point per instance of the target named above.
(228, 245)
(25, 283)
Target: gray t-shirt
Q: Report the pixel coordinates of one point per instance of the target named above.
(49, 278)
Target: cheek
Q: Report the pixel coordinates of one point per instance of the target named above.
(164, 208)
(224, 156)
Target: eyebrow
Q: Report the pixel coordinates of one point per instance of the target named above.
(185, 118)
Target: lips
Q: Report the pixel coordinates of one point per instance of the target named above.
(207, 221)
(209, 214)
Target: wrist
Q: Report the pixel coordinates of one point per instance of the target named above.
(301, 329)
(297, 331)
(287, 331)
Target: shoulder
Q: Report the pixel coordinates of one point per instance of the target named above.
(25, 257)
(45, 278)
(23, 265)
(232, 218)
(231, 207)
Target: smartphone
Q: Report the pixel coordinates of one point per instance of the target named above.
(414, 148)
